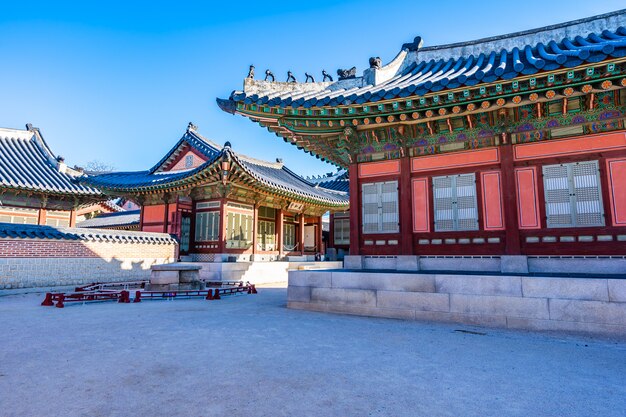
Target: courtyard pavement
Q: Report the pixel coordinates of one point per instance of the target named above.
(250, 356)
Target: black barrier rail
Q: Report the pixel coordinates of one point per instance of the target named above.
(124, 285)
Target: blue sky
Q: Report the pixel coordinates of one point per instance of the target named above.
(119, 81)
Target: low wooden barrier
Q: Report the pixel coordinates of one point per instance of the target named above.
(123, 296)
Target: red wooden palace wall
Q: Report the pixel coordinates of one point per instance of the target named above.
(510, 200)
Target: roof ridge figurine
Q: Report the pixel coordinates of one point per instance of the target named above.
(345, 74)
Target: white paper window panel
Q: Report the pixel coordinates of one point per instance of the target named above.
(444, 214)
(556, 184)
(466, 191)
(585, 181)
(558, 208)
(455, 203)
(467, 213)
(380, 207)
(573, 196)
(443, 193)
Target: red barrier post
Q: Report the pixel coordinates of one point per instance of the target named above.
(253, 289)
(124, 297)
(60, 301)
(209, 295)
(217, 294)
(48, 300)
(137, 297)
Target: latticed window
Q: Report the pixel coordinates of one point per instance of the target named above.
(289, 237)
(573, 195)
(207, 226)
(455, 203)
(341, 231)
(267, 212)
(239, 230)
(266, 238)
(380, 207)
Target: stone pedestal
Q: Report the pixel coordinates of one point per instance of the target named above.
(173, 274)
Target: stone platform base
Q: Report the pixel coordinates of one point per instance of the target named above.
(256, 272)
(580, 305)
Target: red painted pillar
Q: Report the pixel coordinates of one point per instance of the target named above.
(166, 215)
(141, 217)
(405, 207)
(509, 199)
(355, 210)
(331, 230)
(280, 232)
(222, 227)
(301, 232)
(320, 237)
(42, 215)
(255, 227)
(72, 218)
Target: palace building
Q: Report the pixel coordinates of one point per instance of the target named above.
(37, 187)
(223, 205)
(509, 145)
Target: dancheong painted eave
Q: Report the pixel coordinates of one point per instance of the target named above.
(272, 177)
(417, 71)
(423, 84)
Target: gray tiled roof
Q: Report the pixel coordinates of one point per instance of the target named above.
(418, 71)
(193, 139)
(338, 181)
(270, 174)
(27, 231)
(118, 219)
(26, 163)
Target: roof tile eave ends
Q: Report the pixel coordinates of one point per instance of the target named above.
(436, 68)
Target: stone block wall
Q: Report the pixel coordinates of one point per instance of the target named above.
(43, 262)
(507, 264)
(589, 306)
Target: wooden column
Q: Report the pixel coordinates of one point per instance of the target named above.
(280, 232)
(166, 215)
(405, 207)
(255, 227)
(355, 210)
(320, 236)
(42, 215)
(141, 217)
(222, 238)
(510, 202)
(331, 230)
(301, 232)
(73, 218)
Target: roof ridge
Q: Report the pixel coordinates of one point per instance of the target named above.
(524, 32)
(256, 161)
(204, 139)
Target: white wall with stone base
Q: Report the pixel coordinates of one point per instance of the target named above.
(581, 305)
(49, 272)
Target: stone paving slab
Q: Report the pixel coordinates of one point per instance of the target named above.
(251, 356)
